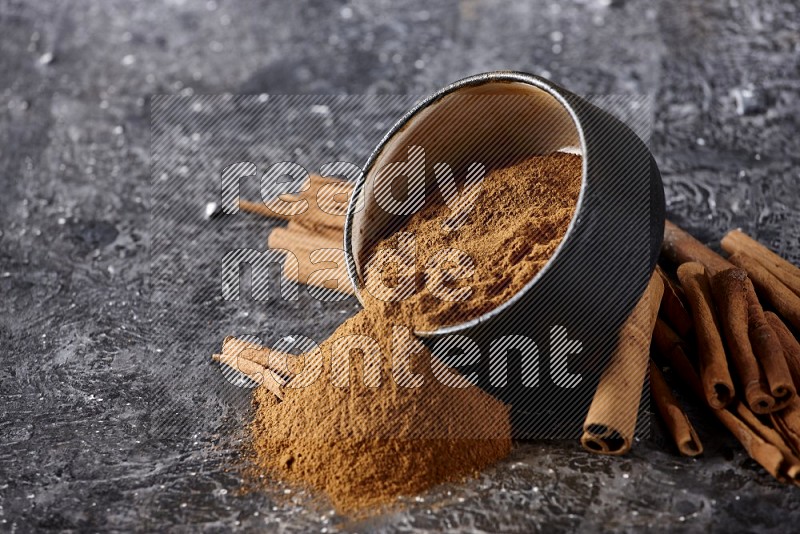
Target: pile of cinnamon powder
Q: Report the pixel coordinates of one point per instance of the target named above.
(518, 220)
(363, 445)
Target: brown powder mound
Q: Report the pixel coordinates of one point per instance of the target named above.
(519, 219)
(364, 446)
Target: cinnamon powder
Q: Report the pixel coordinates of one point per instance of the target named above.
(362, 445)
(519, 218)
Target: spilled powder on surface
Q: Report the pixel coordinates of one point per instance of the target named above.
(363, 446)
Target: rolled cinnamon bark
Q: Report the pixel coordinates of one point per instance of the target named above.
(715, 376)
(766, 454)
(680, 247)
(611, 421)
(326, 199)
(259, 208)
(671, 347)
(790, 345)
(287, 370)
(333, 196)
(750, 343)
(772, 289)
(257, 373)
(769, 353)
(270, 207)
(790, 468)
(673, 306)
(787, 422)
(321, 261)
(675, 419)
(299, 239)
(738, 242)
(264, 356)
(322, 225)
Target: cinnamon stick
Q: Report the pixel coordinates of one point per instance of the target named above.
(733, 295)
(769, 352)
(771, 288)
(766, 454)
(299, 239)
(738, 242)
(324, 225)
(259, 208)
(332, 195)
(790, 468)
(675, 419)
(327, 200)
(288, 370)
(321, 261)
(610, 423)
(790, 345)
(265, 357)
(671, 347)
(314, 221)
(787, 422)
(680, 247)
(265, 207)
(673, 307)
(257, 373)
(715, 376)
(327, 214)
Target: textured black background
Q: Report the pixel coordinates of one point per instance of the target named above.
(80, 446)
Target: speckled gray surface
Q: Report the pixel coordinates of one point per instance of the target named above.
(80, 443)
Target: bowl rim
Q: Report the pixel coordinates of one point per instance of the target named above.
(471, 81)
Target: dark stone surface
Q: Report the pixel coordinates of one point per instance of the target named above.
(83, 443)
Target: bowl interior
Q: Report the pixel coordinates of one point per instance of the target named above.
(495, 123)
